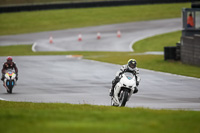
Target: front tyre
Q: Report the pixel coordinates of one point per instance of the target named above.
(10, 85)
(9, 91)
(123, 98)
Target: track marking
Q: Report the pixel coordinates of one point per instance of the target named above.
(2, 99)
(74, 56)
(33, 46)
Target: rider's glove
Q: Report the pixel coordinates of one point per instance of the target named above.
(120, 74)
(134, 72)
(117, 79)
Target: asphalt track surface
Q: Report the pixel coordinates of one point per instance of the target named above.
(78, 81)
(66, 40)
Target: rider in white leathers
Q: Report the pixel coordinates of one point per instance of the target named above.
(129, 67)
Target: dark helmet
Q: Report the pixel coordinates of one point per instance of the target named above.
(132, 64)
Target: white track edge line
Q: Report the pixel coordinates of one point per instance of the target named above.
(33, 47)
(2, 99)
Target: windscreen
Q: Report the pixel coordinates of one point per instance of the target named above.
(129, 75)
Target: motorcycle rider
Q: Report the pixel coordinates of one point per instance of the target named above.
(129, 67)
(9, 65)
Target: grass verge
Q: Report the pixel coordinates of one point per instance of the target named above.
(36, 21)
(57, 117)
(158, 42)
(151, 62)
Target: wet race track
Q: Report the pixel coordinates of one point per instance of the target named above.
(73, 80)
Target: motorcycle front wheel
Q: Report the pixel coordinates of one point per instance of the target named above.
(10, 85)
(10, 90)
(123, 98)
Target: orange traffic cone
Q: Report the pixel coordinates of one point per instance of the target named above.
(79, 37)
(118, 33)
(98, 35)
(50, 39)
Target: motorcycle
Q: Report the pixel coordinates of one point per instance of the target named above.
(9, 80)
(123, 89)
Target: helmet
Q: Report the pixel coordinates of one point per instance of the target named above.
(132, 64)
(9, 58)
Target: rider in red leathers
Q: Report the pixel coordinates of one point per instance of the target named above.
(9, 65)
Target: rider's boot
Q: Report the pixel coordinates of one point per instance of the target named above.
(114, 82)
(4, 84)
(112, 91)
(2, 77)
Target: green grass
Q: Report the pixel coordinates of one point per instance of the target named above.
(52, 118)
(57, 117)
(152, 62)
(36, 21)
(157, 43)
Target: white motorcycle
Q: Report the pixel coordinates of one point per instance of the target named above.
(9, 80)
(123, 89)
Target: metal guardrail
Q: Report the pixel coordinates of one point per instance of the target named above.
(19, 8)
